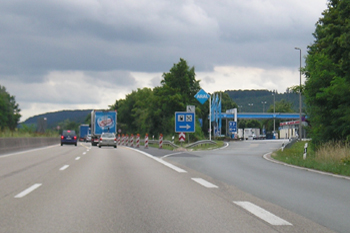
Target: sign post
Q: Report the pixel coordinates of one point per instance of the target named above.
(202, 97)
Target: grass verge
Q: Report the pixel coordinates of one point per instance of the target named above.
(330, 157)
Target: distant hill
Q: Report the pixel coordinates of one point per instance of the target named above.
(251, 100)
(53, 118)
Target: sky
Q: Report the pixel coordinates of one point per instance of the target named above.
(86, 54)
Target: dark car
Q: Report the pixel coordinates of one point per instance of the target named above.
(69, 137)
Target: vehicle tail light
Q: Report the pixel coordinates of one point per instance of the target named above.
(75, 137)
(62, 137)
(100, 139)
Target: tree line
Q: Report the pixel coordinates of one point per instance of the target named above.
(153, 111)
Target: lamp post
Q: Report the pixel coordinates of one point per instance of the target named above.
(274, 113)
(263, 102)
(251, 105)
(299, 95)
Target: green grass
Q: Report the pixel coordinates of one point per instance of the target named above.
(6, 133)
(330, 157)
(199, 147)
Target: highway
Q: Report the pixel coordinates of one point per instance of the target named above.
(84, 189)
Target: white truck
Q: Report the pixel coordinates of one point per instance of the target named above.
(102, 121)
(251, 133)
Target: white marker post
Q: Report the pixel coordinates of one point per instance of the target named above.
(305, 151)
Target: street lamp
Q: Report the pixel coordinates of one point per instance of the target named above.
(274, 113)
(263, 102)
(251, 105)
(299, 95)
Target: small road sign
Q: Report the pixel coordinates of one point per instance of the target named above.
(191, 108)
(232, 126)
(202, 96)
(182, 137)
(185, 122)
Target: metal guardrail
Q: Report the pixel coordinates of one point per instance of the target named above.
(201, 142)
(165, 142)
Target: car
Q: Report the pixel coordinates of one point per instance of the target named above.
(107, 139)
(88, 138)
(69, 137)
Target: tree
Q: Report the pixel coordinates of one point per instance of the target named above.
(9, 110)
(327, 71)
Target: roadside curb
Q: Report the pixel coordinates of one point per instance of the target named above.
(270, 159)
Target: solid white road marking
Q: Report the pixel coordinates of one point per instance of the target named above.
(77, 158)
(64, 167)
(262, 214)
(28, 190)
(204, 183)
(161, 161)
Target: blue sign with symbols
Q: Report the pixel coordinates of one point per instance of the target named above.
(202, 96)
(185, 122)
(232, 126)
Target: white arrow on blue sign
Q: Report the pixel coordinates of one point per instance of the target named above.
(202, 96)
(232, 126)
(185, 122)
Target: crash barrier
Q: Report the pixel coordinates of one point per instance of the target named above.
(118, 140)
(201, 142)
(9, 145)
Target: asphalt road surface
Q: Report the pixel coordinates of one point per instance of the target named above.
(84, 189)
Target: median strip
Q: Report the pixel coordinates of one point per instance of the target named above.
(262, 214)
(28, 190)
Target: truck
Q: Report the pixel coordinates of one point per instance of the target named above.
(102, 121)
(251, 133)
(83, 131)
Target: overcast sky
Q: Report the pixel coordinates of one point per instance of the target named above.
(82, 54)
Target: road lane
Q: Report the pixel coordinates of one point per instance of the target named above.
(120, 190)
(323, 199)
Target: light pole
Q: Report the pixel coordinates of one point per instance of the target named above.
(251, 105)
(299, 95)
(263, 102)
(274, 112)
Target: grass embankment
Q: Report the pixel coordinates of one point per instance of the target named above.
(330, 157)
(195, 148)
(26, 134)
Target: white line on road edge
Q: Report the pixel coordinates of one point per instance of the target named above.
(77, 158)
(266, 156)
(160, 161)
(262, 214)
(28, 190)
(204, 183)
(64, 167)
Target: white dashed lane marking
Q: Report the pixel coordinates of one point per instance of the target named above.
(262, 214)
(64, 167)
(27, 191)
(204, 183)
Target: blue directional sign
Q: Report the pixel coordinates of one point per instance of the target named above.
(202, 96)
(185, 122)
(232, 126)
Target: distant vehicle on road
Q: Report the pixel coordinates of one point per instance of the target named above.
(108, 139)
(88, 138)
(102, 122)
(69, 137)
(83, 131)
